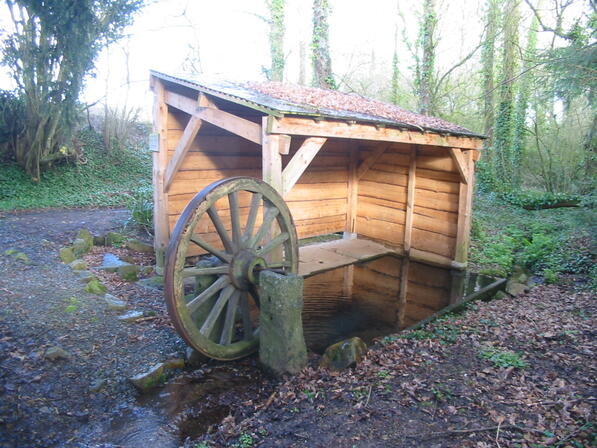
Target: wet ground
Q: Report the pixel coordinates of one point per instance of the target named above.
(86, 400)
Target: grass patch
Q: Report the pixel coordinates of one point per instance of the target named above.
(106, 179)
(503, 358)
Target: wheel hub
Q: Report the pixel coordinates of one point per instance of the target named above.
(242, 268)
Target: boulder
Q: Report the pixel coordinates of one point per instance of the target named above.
(56, 353)
(86, 236)
(128, 273)
(114, 303)
(156, 375)
(131, 316)
(195, 358)
(114, 239)
(515, 288)
(139, 246)
(156, 282)
(78, 265)
(80, 247)
(344, 354)
(111, 263)
(94, 286)
(67, 255)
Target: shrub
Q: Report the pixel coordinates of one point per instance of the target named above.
(140, 204)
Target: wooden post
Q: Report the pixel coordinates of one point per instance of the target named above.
(403, 291)
(350, 231)
(465, 205)
(410, 200)
(160, 159)
(271, 162)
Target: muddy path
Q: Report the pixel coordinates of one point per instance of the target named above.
(87, 400)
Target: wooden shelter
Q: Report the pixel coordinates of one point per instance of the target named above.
(392, 181)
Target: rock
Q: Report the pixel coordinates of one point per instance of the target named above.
(78, 265)
(514, 288)
(80, 247)
(195, 358)
(56, 353)
(111, 263)
(156, 375)
(85, 276)
(500, 295)
(282, 348)
(94, 286)
(20, 256)
(97, 385)
(344, 354)
(114, 303)
(67, 255)
(114, 239)
(86, 236)
(99, 240)
(131, 316)
(9, 252)
(139, 246)
(155, 282)
(128, 272)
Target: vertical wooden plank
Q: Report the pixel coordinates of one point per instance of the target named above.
(350, 232)
(271, 159)
(410, 199)
(465, 205)
(403, 291)
(160, 160)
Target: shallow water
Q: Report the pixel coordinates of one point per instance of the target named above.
(362, 300)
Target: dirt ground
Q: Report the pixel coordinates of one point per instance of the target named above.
(514, 372)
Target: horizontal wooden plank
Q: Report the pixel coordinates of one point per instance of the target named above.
(392, 178)
(201, 161)
(368, 209)
(430, 296)
(447, 176)
(195, 180)
(435, 225)
(380, 230)
(424, 274)
(388, 265)
(320, 226)
(317, 209)
(436, 200)
(315, 192)
(383, 202)
(342, 129)
(433, 242)
(395, 193)
(444, 163)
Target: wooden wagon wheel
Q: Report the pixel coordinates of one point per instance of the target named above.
(220, 319)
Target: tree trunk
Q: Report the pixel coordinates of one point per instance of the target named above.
(276, 39)
(427, 66)
(488, 61)
(322, 61)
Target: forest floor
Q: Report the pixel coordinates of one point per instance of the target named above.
(512, 372)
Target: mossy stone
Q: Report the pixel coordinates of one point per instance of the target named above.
(94, 286)
(10, 251)
(344, 354)
(78, 265)
(86, 236)
(128, 272)
(20, 256)
(139, 246)
(67, 255)
(114, 239)
(80, 247)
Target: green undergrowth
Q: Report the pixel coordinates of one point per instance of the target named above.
(548, 242)
(104, 179)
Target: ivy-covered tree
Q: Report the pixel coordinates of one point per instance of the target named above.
(322, 62)
(504, 124)
(49, 52)
(488, 68)
(394, 95)
(425, 67)
(276, 39)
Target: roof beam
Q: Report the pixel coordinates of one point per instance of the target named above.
(300, 161)
(224, 120)
(361, 131)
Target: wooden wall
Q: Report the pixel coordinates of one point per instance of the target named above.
(382, 196)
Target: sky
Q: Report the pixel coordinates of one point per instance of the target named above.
(232, 41)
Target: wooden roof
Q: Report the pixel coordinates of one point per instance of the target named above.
(279, 99)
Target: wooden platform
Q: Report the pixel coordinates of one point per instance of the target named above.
(321, 257)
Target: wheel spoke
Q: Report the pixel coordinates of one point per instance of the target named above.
(219, 225)
(269, 217)
(235, 219)
(247, 324)
(215, 270)
(228, 330)
(209, 292)
(209, 323)
(226, 258)
(255, 201)
(280, 239)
